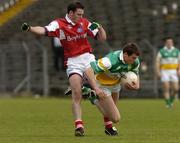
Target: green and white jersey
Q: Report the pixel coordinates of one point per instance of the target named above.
(169, 58)
(109, 68)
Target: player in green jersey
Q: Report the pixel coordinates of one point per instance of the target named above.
(108, 71)
(168, 70)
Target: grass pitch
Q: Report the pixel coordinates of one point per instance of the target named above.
(49, 120)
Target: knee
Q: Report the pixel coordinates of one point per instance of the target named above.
(76, 95)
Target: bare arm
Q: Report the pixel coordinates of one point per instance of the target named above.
(178, 69)
(91, 79)
(39, 30)
(101, 34)
(157, 67)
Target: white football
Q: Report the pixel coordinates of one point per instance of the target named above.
(129, 77)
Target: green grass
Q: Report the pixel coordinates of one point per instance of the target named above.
(49, 120)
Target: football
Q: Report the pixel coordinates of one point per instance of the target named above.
(129, 77)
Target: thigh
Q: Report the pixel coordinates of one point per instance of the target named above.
(75, 82)
(110, 107)
(175, 85)
(166, 85)
(115, 96)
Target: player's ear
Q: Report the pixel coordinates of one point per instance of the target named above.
(70, 12)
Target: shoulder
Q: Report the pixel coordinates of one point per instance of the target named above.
(61, 20)
(176, 49)
(115, 53)
(162, 50)
(85, 21)
(137, 61)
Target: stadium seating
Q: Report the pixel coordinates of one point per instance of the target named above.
(6, 4)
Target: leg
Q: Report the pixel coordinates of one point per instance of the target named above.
(109, 128)
(111, 114)
(108, 108)
(175, 89)
(115, 96)
(75, 84)
(166, 92)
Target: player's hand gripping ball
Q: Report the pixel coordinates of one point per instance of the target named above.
(129, 78)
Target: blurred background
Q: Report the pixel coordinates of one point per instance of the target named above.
(26, 60)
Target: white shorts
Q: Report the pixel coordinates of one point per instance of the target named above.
(109, 89)
(79, 64)
(169, 75)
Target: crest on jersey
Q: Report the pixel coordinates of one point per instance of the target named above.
(80, 30)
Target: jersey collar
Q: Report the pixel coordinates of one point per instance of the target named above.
(121, 57)
(168, 48)
(69, 20)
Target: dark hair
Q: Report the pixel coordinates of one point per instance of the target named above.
(131, 48)
(74, 6)
(168, 37)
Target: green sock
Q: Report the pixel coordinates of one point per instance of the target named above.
(168, 102)
(172, 99)
(85, 90)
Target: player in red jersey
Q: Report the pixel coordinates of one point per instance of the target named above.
(72, 31)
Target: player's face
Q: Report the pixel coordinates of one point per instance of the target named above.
(77, 15)
(130, 59)
(169, 43)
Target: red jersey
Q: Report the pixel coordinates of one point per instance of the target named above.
(73, 36)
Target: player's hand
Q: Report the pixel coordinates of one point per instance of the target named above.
(25, 26)
(132, 86)
(100, 93)
(94, 25)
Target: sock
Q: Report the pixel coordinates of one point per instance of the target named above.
(168, 102)
(107, 123)
(79, 124)
(172, 99)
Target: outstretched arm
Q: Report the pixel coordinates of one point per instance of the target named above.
(39, 30)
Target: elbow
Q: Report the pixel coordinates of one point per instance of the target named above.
(103, 38)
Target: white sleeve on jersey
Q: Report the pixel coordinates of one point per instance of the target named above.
(159, 55)
(104, 63)
(95, 31)
(53, 26)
